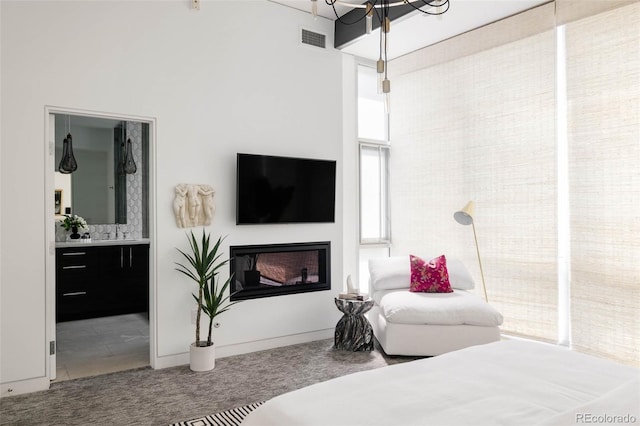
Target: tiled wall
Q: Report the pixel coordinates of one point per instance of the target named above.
(133, 227)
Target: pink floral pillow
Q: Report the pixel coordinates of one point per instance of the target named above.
(429, 277)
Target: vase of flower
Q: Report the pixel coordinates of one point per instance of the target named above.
(73, 223)
(74, 233)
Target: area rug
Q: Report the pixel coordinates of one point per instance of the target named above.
(232, 417)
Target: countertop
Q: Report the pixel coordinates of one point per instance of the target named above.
(81, 243)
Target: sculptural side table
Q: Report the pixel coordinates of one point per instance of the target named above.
(353, 331)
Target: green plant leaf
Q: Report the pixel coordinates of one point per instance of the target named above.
(201, 265)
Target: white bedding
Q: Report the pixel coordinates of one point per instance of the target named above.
(456, 308)
(501, 383)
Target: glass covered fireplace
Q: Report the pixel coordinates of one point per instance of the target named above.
(276, 269)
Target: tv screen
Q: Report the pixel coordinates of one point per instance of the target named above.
(274, 189)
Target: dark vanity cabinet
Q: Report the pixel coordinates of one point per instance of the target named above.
(95, 281)
(76, 284)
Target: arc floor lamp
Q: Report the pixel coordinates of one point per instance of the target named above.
(465, 217)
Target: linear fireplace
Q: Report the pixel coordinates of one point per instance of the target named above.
(277, 269)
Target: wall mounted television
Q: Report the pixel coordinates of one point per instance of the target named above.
(273, 189)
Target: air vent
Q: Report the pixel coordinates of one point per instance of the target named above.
(313, 39)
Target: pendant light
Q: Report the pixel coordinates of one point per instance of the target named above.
(380, 10)
(68, 162)
(128, 165)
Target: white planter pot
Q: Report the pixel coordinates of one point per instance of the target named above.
(202, 358)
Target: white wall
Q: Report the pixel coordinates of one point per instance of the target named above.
(228, 78)
(350, 195)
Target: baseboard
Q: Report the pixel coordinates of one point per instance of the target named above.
(24, 386)
(170, 361)
(276, 342)
(247, 347)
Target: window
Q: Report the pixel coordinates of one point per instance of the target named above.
(373, 120)
(549, 155)
(373, 139)
(373, 136)
(374, 193)
(603, 90)
(481, 127)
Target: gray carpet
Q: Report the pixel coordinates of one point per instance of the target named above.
(162, 397)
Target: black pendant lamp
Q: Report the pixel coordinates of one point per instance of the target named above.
(68, 162)
(129, 164)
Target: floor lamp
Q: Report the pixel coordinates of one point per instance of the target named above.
(465, 217)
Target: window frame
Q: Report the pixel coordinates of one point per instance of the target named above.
(384, 209)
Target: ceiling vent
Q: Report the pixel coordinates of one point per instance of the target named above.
(313, 39)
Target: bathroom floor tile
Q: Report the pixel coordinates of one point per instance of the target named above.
(101, 345)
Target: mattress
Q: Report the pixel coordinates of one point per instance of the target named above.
(457, 308)
(501, 383)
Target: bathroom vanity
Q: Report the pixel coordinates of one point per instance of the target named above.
(101, 278)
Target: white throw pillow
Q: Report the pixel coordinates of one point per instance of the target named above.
(394, 272)
(459, 275)
(390, 273)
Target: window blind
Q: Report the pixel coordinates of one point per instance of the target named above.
(603, 93)
(482, 127)
(473, 118)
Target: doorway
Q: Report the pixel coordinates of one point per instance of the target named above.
(99, 281)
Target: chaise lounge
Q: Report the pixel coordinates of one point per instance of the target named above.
(427, 323)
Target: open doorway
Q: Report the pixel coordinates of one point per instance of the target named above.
(99, 270)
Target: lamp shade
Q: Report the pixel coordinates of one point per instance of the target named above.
(465, 216)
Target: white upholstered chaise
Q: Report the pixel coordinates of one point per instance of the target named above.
(422, 324)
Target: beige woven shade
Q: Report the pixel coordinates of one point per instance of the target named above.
(603, 92)
(482, 116)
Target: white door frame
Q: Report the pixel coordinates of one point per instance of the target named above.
(50, 244)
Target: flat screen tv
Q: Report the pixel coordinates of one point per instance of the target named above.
(274, 189)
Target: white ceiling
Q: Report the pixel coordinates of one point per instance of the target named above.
(324, 9)
(418, 30)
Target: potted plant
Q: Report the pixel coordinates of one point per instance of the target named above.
(73, 222)
(202, 266)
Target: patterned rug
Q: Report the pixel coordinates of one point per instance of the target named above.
(232, 417)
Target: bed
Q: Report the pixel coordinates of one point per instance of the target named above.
(425, 324)
(510, 382)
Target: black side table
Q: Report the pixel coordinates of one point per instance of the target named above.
(353, 331)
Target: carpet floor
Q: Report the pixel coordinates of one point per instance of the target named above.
(161, 397)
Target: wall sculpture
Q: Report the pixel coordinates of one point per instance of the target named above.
(193, 205)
